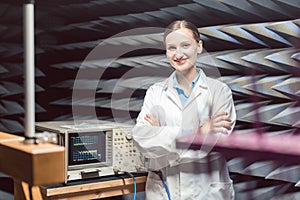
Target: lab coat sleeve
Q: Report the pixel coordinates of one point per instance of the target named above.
(223, 102)
(155, 142)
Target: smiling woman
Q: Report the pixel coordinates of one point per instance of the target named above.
(182, 48)
(188, 102)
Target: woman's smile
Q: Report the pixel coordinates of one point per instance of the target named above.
(180, 61)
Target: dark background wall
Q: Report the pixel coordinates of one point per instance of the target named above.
(100, 56)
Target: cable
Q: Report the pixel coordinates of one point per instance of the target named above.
(159, 173)
(134, 183)
(166, 188)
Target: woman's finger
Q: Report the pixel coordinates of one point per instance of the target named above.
(220, 130)
(219, 115)
(221, 119)
(152, 119)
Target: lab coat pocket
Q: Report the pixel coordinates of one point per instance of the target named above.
(154, 187)
(221, 191)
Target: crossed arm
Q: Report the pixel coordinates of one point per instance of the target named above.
(219, 123)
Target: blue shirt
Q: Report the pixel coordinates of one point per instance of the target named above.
(182, 96)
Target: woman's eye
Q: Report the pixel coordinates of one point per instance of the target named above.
(171, 48)
(186, 45)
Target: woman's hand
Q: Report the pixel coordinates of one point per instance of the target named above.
(219, 123)
(152, 119)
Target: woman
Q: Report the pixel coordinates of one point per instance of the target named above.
(188, 102)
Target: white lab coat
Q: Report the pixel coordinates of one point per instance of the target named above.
(189, 174)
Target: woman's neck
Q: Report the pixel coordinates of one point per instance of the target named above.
(186, 78)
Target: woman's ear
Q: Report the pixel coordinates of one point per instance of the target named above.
(200, 48)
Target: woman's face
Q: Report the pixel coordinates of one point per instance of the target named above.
(182, 49)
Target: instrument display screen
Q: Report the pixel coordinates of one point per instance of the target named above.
(87, 148)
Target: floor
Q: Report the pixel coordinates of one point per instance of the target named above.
(6, 187)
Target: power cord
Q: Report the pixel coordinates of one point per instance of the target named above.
(159, 173)
(117, 171)
(134, 184)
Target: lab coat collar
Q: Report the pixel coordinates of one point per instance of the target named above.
(198, 89)
(202, 82)
(172, 93)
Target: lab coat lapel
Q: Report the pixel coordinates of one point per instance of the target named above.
(172, 93)
(198, 89)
